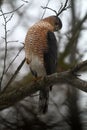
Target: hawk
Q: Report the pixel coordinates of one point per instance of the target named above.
(41, 52)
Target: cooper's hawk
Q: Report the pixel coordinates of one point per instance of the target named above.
(41, 52)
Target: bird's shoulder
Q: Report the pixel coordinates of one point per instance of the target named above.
(41, 26)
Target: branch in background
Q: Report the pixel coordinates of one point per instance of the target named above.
(21, 16)
(78, 67)
(13, 60)
(1, 2)
(73, 39)
(10, 12)
(45, 9)
(62, 8)
(26, 1)
(14, 75)
(14, 94)
(6, 20)
(49, 9)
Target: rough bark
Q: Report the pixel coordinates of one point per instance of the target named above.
(12, 95)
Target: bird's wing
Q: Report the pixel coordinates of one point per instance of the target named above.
(50, 56)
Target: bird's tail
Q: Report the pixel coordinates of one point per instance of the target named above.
(43, 100)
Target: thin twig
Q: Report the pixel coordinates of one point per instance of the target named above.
(6, 20)
(13, 60)
(12, 41)
(14, 75)
(49, 9)
(26, 1)
(10, 17)
(62, 8)
(5, 39)
(45, 9)
(18, 22)
(10, 12)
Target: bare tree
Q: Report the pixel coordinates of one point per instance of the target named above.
(67, 74)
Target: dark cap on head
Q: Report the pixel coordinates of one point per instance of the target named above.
(59, 22)
(54, 21)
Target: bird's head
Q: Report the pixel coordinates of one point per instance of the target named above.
(55, 22)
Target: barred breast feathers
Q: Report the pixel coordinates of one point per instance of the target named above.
(36, 42)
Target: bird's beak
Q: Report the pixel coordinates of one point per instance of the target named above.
(57, 27)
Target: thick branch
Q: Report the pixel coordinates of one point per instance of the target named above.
(12, 95)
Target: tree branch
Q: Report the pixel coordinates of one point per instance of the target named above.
(10, 12)
(14, 94)
(14, 75)
(80, 66)
(62, 8)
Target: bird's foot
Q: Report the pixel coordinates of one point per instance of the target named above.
(35, 79)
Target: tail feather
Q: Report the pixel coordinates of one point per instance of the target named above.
(43, 100)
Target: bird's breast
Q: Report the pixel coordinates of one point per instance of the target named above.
(35, 46)
(37, 66)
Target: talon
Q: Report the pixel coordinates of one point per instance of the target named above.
(35, 79)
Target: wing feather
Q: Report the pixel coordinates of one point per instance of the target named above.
(50, 57)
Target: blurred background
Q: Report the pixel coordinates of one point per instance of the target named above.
(67, 106)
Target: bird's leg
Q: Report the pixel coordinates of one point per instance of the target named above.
(45, 80)
(50, 87)
(35, 79)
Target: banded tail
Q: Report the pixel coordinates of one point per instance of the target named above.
(43, 100)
